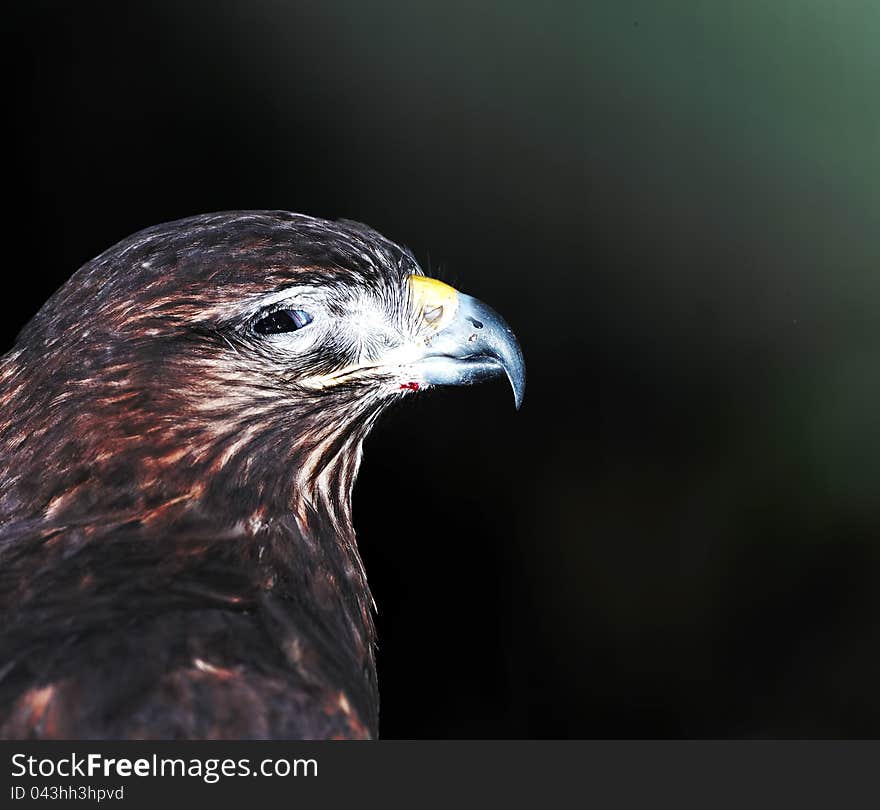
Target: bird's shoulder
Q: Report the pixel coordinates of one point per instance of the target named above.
(197, 633)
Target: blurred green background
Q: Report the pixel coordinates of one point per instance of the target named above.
(675, 205)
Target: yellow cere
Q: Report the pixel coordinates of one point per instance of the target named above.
(434, 300)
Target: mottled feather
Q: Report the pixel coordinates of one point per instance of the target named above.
(177, 557)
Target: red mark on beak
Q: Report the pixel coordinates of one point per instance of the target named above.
(410, 386)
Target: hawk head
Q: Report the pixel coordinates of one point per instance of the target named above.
(236, 357)
(180, 429)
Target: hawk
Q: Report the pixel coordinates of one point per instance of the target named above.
(181, 426)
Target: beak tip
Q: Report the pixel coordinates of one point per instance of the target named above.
(517, 379)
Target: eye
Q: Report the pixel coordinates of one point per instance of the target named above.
(282, 320)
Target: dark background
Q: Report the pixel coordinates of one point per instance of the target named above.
(675, 205)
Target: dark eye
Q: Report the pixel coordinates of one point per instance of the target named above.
(282, 320)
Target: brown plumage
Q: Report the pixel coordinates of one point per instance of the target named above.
(180, 430)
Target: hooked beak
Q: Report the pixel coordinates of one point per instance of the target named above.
(467, 341)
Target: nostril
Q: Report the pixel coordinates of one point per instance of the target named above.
(432, 314)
